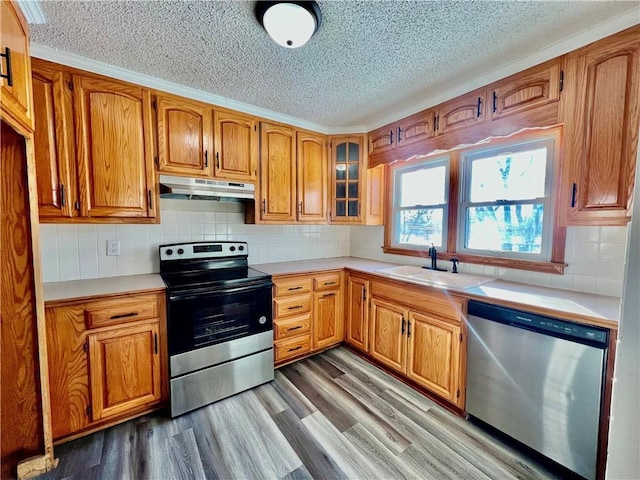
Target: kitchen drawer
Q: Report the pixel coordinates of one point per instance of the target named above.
(291, 286)
(292, 347)
(292, 326)
(120, 310)
(326, 281)
(289, 306)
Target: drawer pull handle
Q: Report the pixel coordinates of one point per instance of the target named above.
(294, 307)
(294, 288)
(328, 295)
(295, 348)
(329, 283)
(123, 315)
(297, 327)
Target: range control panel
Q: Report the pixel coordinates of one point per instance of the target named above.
(203, 250)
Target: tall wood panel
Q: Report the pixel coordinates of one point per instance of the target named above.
(235, 136)
(21, 415)
(312, 177)
(277, 173)
(357, 315)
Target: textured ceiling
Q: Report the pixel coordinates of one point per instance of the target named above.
(369, 60)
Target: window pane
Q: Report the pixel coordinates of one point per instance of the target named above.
(353, 190)
(510, 176)
(341, 208)
(341, 171)
(423, 187)
(353, 172)
(341, 190)
(353, 208)
(506, 228)
(341, 152)
(420, 226)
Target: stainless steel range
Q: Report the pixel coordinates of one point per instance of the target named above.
(219, 322)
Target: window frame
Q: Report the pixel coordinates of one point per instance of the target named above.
(555, 265)
(395, 208)
(548, 201)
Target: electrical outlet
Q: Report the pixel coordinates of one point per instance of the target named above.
(113, 247)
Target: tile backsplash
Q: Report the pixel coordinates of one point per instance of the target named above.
(72, 252)
(595, 258)
(596, 255)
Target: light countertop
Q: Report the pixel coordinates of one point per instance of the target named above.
(586, 307)
(100, 287)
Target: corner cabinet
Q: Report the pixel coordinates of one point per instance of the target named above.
(15, 84)
(105, 361)
(601, 113)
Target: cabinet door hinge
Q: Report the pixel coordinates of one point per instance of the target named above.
(155, 343)
(157, 161)
(458, 393)
(89, 410)
(460, 337)
(85, 346)
(77, 205)
(364, 294)
(255, 128)
(70, 85)
(154, 104)
(561, 79)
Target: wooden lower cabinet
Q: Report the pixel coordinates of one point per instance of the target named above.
(388, 342)
(99, 376)
(419, 334)
(357, 313)
(433, 355)
(308, 314)
(327, 319)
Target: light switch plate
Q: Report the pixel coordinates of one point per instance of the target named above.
(113, 247)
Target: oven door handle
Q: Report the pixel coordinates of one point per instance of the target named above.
(198, 294)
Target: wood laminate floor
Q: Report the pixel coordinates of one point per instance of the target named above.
(331, 416)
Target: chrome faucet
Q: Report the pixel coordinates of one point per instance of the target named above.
(433, 254)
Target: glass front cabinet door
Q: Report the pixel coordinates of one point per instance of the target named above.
(347, 175)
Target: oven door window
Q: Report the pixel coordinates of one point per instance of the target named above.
(203, 319)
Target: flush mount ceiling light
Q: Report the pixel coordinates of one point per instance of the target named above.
(290, 24)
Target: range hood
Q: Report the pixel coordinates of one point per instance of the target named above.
(199, 188)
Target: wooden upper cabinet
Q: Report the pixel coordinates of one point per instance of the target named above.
(382, 139)
(184, 137)
(357, 314)
(114, 148)
(347, 175)
(433, 355)
(125, 369)
(461, 112)
(387, 342)
(53, 143)
(277, 173)
(532, 88)
(312, 177)
(15, 65)
(601, 113)
(235, 146)
(416, 128)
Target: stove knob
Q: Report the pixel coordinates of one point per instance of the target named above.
(262, 320)
(233, 249)
(169, 252)
(180, 251)
(241, 248)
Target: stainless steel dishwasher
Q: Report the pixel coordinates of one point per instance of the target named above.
(539, 380)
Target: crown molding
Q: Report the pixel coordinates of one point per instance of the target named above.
(562, 47)
(94, 66)
(32, 11)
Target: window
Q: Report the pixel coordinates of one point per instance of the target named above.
(505, 208)
(419, 216)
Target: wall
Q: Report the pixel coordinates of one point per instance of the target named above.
(71, 252)
(596, 257)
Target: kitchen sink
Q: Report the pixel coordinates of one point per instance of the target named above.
(415, 274)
